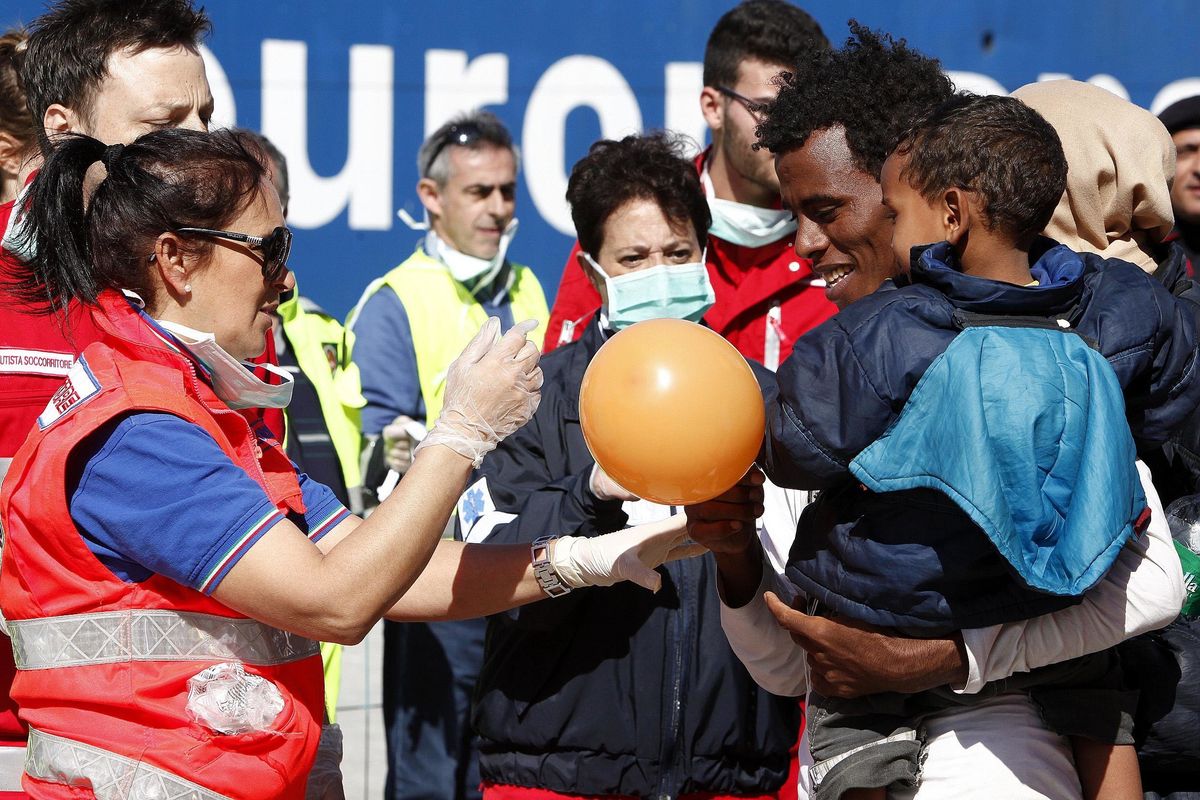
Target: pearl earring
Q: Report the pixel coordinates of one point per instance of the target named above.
(187, 287)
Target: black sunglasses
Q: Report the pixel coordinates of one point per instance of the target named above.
(756, 109)
(462, 134)
(276, 246)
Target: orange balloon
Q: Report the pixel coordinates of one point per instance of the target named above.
(671, 411)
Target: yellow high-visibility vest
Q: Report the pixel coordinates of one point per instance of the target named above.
(444, 316)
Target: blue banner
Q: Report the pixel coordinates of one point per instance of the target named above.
(349, 89)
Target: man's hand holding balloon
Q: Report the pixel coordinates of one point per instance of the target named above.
(727, 525)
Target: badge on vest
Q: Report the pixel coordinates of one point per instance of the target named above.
(474, 503)
(81, 385)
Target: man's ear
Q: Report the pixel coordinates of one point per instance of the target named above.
(59, 119)
(11, 154)
(712, 106)
(430, 195)
(956, 214)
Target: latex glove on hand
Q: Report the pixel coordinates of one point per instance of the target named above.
(605, 488)
(628, 555)
(492, 389)
(400, 438)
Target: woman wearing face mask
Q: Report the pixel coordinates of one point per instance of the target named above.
(165, 570)
(615, 692)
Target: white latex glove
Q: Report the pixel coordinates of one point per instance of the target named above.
(399, 440)
(491, 390)
(628, 555)
(325, 779)
(605, 488)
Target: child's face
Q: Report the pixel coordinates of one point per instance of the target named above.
(917, 220)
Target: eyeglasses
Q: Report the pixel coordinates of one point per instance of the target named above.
(462, 134)
(756, 109)
(276, 246)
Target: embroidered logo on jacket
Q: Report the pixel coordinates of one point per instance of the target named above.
(81, 385)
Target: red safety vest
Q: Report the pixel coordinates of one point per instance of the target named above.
(103, 664)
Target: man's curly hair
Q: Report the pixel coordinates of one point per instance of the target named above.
(874, 88)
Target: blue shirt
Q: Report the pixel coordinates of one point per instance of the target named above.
(154, 493)
(387, 359)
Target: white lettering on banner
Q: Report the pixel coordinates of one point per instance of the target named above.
(685, 80)
(224, 106)
(570, 83)
(16, 361)
(975, 82)
(1173, 92)
(365, 182)
(454, 85)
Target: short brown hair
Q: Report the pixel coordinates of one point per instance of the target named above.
(14, 113)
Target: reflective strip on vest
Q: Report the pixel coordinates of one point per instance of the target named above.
(109, 776)
(151, 635)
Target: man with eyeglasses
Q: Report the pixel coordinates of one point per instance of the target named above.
(113, 69)
(766, 298)
(408, 326)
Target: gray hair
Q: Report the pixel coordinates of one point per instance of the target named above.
(485, 130)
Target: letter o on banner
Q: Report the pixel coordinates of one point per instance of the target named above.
(571, 83)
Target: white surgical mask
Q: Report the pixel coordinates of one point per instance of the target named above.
(233, 381)
(469, 270)
(668, 291)
(745, 225)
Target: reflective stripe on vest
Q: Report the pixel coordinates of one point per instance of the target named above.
(151, 635)
(109, 776)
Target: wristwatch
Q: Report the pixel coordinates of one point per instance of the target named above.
(543, 570)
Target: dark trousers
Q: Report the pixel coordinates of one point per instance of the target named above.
(429, 676)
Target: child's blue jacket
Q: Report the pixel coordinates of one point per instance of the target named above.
(913, 556)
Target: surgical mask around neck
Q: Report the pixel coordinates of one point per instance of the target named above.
(468, 270)
(745, 225)
(233, 381)
(668, 291)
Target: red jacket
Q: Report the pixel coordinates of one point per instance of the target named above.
(36, 350)
(765, 299)
(105, 663)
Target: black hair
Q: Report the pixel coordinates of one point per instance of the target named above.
(276, 162)
(163, 181)
(653, 166)
(771, 31)
(997, 147)
(14, 111)
(873, 88)
(480, 128)
(70, 44)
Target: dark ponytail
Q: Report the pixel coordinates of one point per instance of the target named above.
(162, 181)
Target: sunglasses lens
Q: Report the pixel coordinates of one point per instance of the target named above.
(276, 249)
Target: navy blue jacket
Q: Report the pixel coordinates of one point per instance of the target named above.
(867, 555)
(612, 691)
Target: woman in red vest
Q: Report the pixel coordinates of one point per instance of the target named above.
(165, 571)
